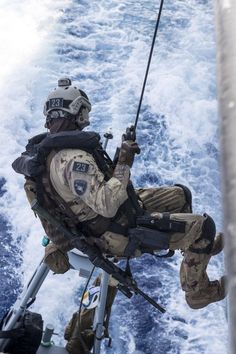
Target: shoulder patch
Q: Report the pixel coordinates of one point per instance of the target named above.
(80, 186)
(80, 167)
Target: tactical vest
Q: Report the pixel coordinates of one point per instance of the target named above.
(34, 163)
(130, 219)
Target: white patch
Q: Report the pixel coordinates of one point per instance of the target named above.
(231, 104)
(226, 4)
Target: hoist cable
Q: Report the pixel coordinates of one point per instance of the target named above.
(149, 62)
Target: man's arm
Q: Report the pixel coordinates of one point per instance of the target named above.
(78, 170)
(87, 182)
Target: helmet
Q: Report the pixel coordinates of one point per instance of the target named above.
(67, 101)
(91, 297)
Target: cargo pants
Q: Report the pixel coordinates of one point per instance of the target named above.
(199, 290)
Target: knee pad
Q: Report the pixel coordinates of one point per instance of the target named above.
(208, 233)
(208, 228)
(188, 196)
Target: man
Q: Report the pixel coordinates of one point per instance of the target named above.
(81, 187)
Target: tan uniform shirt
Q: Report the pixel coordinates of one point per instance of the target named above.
(76, 178)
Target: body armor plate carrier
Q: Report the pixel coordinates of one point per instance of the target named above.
(34, 163)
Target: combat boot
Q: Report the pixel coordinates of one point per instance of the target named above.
(218, 244)
(215, 291)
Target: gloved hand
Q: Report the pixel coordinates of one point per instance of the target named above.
(28, 165)
(127, 152)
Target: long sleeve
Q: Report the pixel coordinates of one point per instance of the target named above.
(79, 171)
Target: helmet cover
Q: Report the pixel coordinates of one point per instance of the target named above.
(67, 98)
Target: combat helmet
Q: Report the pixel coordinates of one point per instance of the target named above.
(67, 101)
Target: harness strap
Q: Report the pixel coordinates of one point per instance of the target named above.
(131, 207)
(104, 162)
(146, 240)
(134, 199)
(117, 228)
(163, 224)
(64, 207)
(93, 227)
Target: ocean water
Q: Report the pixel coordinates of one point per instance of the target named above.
(103, 46)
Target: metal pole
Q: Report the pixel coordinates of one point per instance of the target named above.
(100, 313)
(100, 310)
(108, 135)
(29, 293)
(47, 336)
(226, 60)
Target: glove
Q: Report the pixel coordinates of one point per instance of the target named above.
(127, 152)
(30, 166)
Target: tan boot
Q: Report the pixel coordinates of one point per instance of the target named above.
(218, 244)
(215, 291)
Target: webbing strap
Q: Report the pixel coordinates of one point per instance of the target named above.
(134, 199)
(163, 224)
(61, 203)
(117, 228)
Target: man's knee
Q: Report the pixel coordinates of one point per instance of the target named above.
(205, 242)
(187, 208)
(172, 199)
(208, 228)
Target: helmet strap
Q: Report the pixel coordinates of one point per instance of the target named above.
(82, 118)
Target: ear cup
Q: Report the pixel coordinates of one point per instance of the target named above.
(82, 119)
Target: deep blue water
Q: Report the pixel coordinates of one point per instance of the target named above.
(10, 262)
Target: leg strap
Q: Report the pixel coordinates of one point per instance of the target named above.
(163, 224)
(146, 240)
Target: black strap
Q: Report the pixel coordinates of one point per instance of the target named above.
(104, 162)
(134, 199)
(188, 197)
(163, 224)
(130, 207)
(45, 182)
(117, 228)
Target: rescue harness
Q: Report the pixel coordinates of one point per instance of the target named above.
(34, 164)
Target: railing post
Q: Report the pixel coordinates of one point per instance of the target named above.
(226, 72)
